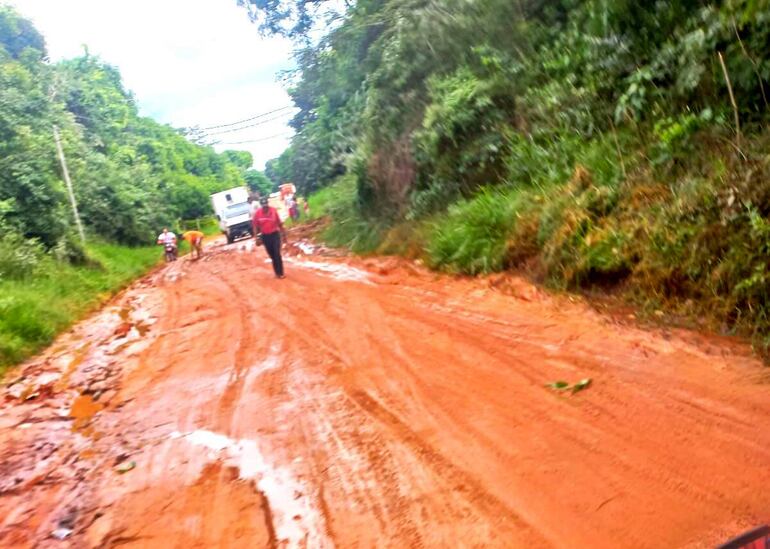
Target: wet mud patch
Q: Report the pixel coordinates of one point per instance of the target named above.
(294, 516)
(49, 442)
(407, 415)
(83, 409)
(337, 271)
(216, 510)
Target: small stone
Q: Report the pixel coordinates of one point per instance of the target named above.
(123, 329)
(61, 533)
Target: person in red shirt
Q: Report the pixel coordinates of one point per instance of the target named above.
(267, 226)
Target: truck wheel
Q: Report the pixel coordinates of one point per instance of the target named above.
(229, 238)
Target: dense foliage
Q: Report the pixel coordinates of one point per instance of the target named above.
(428, 99)
(589, 141)
(131, 175)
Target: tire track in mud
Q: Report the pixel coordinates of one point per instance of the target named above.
(363, 464)
(319, 423)
(258, 372)
(572, 435)
(574, 432)
(443, 469)
(243, 347)
(460, 480)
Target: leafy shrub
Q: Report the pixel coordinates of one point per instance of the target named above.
(462, 142)
(538, 162)
(473, 237)
(19, 257)
(70, 250)
(436, 197)
(675, 137)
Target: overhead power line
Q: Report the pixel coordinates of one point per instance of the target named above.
(249, 119)
(255, 140)
(231, 130)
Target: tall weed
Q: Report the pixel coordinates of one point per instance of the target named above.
(34, 308)
(473, 237)
(19, 257)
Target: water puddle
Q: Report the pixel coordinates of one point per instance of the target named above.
(296, 521)
(305, 247)
(338, 271)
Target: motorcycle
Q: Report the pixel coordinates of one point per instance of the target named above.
(169, 251)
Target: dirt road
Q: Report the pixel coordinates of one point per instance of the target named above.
(371, 404)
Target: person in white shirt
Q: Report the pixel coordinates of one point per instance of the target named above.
(167, 237)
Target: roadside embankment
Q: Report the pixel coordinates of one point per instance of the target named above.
(46, 295)
(690, 249)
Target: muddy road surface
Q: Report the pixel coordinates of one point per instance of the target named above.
(373, 404)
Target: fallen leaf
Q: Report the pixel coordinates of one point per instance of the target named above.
(125, 467)
(582, 384)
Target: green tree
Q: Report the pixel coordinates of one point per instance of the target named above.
(131, 174)
(258, 181)
(292, 18)
(242, 159)
(18, 34)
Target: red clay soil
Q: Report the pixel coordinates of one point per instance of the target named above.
(372, 404)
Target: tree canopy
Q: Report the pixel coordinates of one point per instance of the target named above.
(291, 18)
(425, 101)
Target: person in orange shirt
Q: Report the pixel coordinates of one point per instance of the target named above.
(195, 238)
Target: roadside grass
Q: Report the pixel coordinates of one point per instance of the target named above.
(207, 225)
(348, 227)
(325, 201)
(35, 309)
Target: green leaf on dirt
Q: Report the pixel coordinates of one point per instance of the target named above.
(125, 467)
(582, 384)
(562, 385)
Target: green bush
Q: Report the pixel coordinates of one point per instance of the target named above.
(473, 237)
(348, 227)
(34, 309)
(19, 257)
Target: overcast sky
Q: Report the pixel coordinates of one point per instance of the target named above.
(188, 62)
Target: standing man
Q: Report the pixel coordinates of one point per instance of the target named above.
(294, 209)
(195, 238)
(267, 226)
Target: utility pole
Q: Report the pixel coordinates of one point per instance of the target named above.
(67, 180)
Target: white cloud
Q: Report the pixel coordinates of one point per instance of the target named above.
(188, 62)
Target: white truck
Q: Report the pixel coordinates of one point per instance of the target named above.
(233, 212)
